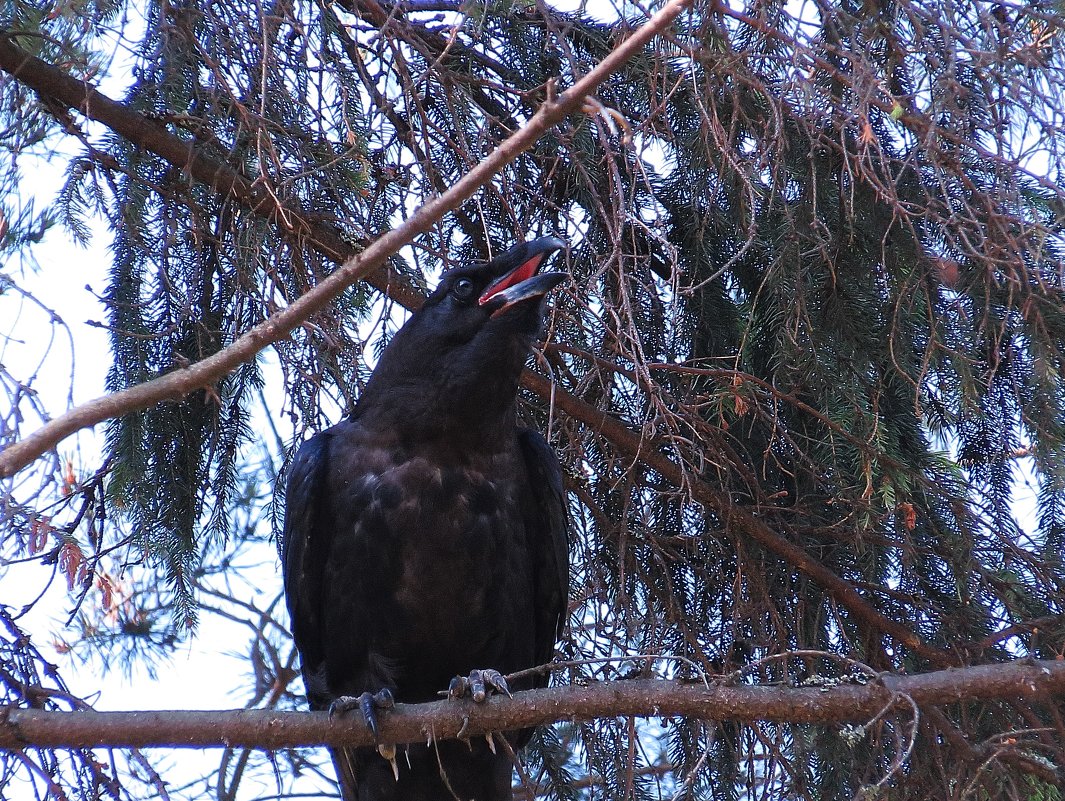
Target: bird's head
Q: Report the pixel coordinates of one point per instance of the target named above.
(501, 298)
(460, 355)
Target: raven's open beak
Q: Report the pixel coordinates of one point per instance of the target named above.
(522, 283)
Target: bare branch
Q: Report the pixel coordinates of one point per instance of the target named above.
(444, 719)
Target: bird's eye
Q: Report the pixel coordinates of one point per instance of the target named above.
(463, 289)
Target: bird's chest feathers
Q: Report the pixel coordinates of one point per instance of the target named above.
(439, 534)
(427, 502)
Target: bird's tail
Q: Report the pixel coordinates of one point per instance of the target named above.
(344, 762)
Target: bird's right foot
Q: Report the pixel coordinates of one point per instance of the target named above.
(478, 684)
(367, 703)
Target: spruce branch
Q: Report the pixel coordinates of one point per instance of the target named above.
(634, 446)
(1029, 680)
(77, 94)
(64, 91)
(901, 110)
(370, 266)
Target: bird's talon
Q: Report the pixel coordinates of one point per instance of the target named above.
(498, 682)
(491, 742)
(478, 685)
(477, 690)
(343, 704)
(459, 686)
(366, 703)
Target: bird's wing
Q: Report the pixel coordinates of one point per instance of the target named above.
(548, 541)
(305, 545)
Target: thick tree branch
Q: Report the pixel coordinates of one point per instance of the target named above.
(854, 703)
(180, 383)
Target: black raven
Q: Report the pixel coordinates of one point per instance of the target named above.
(425, 537)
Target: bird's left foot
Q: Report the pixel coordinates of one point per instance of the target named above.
(478, 684)
(367, 703)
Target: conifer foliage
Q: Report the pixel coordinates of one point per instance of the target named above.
(817, 294)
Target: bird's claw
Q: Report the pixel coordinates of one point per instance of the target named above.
(367, 703)
(477, 685)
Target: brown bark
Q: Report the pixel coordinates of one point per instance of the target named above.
(856, 703)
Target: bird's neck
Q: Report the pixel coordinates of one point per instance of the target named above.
(413, 413)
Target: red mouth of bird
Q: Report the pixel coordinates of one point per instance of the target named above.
(516, 276)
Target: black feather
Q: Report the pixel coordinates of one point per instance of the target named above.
(426, 536)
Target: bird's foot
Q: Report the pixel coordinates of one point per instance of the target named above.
(367, 703)
(477, 685)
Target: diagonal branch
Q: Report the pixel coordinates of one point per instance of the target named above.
(857, 703)
(180, 383)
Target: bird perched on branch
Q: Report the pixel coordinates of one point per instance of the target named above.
(424, 544)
